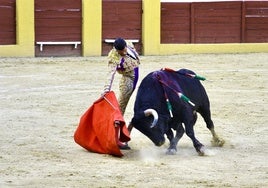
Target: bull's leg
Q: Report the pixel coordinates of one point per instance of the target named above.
(171, 150)
(216, 140)
(190, 120)
(174, 140)
(170, 135)
(198, 146)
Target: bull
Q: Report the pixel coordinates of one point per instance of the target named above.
(169, 100)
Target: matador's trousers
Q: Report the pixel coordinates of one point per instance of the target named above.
(126, 87)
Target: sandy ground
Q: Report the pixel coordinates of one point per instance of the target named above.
(42, 100)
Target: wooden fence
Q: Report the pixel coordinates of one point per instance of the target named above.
(7, 22)
(214, 22)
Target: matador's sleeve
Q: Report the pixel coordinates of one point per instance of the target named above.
(113, 61)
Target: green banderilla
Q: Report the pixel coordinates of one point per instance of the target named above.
(186, 99)
(169, 107)
(197, 77)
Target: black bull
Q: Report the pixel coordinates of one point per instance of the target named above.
(159, 108)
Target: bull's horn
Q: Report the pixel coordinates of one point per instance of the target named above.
(152, 112)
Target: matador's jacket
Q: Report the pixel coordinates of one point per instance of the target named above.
(127, 66)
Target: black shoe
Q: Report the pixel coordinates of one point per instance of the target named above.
(124, 147)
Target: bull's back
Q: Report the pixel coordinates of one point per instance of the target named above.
(151, 91)
(192, 88)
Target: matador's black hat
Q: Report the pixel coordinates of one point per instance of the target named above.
(120, 44)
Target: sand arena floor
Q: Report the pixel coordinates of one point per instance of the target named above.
(42, 100)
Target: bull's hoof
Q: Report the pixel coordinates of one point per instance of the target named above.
(171, 152)
(201, 151)
(217, 142)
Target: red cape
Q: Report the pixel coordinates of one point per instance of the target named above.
(96, 131)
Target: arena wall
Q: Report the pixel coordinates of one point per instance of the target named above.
(24, 46)
(92, 39)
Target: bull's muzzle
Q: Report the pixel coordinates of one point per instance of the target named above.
(152, 112)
